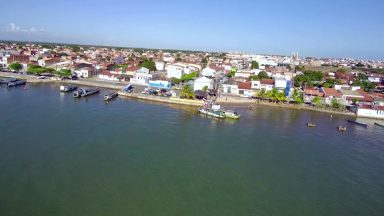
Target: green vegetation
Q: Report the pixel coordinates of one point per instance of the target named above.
(329, 83)
(300, 68)
(365, 85)
(149, 64)
(64, 73)
(205, 88)
(342, 70)
(336, 104)
(36, 69)
(16, 66)
(232, 73)
(204, 61)
(308, 78)
(316, 101)
(75, 48)
(187, 92)
(260, 76)
(185, 78)
(273, 95)
(254, 65)
(297, 96)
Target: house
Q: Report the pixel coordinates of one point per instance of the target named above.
(329, 94)
(175, 71)
(107, 75)
(374, 79)
(201, 82)
(208, 72)
(245, 89)
(141, 77)
(85, 72)
(310, 94)
(230, 87)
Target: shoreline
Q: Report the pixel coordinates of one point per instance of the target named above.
(233, 101)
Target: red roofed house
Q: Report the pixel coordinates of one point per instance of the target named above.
(245, 89)
(310, 93)
(330, 94)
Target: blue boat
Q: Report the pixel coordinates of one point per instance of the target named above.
(357, 123)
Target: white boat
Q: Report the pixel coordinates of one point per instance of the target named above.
(67, 88)
(211, 112)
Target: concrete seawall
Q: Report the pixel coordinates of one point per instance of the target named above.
(170, 100)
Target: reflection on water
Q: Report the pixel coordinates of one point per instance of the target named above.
(66, 156)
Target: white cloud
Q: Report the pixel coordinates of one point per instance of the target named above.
(12, 27)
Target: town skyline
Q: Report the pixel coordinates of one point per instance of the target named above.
(322, 30)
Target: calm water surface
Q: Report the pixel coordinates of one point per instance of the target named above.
(66, 156)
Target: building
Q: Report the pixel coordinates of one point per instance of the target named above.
(245, 89)
(159, 84)
(266, 84)
(202, 82)
(107, 75)
(141, 77)
(330, 94)
(230, 87)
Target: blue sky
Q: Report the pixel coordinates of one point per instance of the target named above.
(336, 28)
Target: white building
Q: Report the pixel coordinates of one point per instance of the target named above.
(201, 82)
(141, 77)
(107, 75)
(175, 71)
(208, 72)
(159, 65)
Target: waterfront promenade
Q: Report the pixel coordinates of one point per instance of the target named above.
(223, 100)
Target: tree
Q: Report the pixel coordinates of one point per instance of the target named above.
(289, 67)
(362, 76)
(336, 104)
(204, 61)
(187, 77)
(64, 73)
(329, 83)
(175, 80)
(254, 65)
(16, 66)
(187, 92)
(316, 101)
(232, 73)
(205, 88)
(263, 75)
(149, 64)
(75, 48)
(354, 101)
(297, 96)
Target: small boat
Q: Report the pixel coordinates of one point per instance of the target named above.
(17, 83)
(342, 128)
(6, 81)
(87, 92)
(231, 114)
(311, 124)
(67, 88)
(378, 124)
(211, 112)
(357, 123)
(78, 93)
(110, 96)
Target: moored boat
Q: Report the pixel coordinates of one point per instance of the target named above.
(342, 128)
(378, 124)
(110, 96)
(311, 124)
(231, 114)
(78, 93)
(17, 83)
(211, 112)
(357, 123)
(87, 92)
(67, 88)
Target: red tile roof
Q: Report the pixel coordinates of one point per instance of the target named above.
(331, 92)
(245, 85)
(267, 81)
(313, 91)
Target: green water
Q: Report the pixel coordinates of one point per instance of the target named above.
(66, 156)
